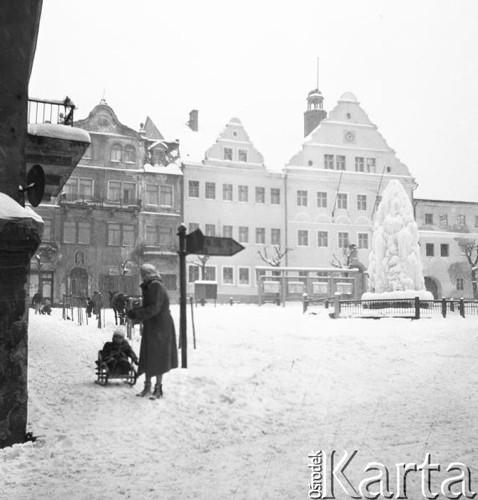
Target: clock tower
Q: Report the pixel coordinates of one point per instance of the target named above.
(315, 111)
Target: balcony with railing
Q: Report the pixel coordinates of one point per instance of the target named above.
(54, 143)
(66, 199)
(51, 111)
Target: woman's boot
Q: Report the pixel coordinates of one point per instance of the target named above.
(146, 390)
(158, 392)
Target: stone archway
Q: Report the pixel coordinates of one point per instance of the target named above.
(433, 286)
(79, 282)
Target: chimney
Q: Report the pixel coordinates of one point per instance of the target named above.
(193, 120)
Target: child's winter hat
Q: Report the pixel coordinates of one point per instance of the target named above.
(119, 332)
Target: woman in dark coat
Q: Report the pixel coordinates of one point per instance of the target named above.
(158, 352)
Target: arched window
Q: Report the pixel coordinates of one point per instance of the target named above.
(129, 154)
(116, 151)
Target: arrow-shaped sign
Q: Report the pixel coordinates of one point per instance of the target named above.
(197, 243)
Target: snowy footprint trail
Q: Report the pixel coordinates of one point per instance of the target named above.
(265, 386)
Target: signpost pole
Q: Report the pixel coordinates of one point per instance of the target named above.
(183, 342)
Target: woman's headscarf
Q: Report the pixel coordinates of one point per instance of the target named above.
(148, 272)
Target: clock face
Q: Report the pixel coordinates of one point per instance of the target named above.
(349, 136)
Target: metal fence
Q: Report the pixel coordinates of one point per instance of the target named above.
(413, 308)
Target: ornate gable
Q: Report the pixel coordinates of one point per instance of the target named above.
(233, 146)
(103, 119)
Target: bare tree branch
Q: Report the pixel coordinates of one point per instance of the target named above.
(273, 260)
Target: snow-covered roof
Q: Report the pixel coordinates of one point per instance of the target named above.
(59, 132)
(10, 209)
(171, 169)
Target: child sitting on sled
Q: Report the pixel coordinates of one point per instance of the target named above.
(117, 353)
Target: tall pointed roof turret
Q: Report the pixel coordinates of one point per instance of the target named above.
(315, 112)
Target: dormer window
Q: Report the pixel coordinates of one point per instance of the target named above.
(242, 155)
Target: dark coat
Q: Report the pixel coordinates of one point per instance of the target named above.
(118, 351)
(158, 352)
(116, 356)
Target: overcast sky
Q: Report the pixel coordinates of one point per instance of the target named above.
(413, 65)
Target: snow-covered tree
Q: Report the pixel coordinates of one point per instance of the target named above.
(394, 262)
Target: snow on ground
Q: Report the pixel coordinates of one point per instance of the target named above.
(265, 386)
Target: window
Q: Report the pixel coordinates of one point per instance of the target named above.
(227, 192)
(243, 276)
(193, 274)
(86, 188)
(210, 190)
(275, 196)
(128, 236)
(210, 273)
(329, 162)
(84, 233)
(361, 202)
(340, 162)
(166, 195)
(71, 186)
(129, 154)
(342, 200)
(129, 192)
(301, 198)
(371, 165)
(227, 231)
(260, 195)
(46, 230)
(444, 250)
(114, 234)
(428, 218)
(242, 154)
(114, 190)
(461, 220)
(362, 240)
(429, 249)
(194, 189)
(260, 235)
(359, 164)
(152, 194)
(193, 226)
(343, 240)
(69, 232)
(460, 284)
(116, 153)
(443, 220)
(151, 235)
(243, 194)
(227, 276)
(210, 230)
(243, 234)
(303, 238)
(322, 200)
(166, 236)
(322, 239)
(275, 236)
(476, 220)
(227, 153)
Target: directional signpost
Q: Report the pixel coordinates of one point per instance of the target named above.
(197, 243)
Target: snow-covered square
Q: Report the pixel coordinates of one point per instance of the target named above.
(265, 387)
